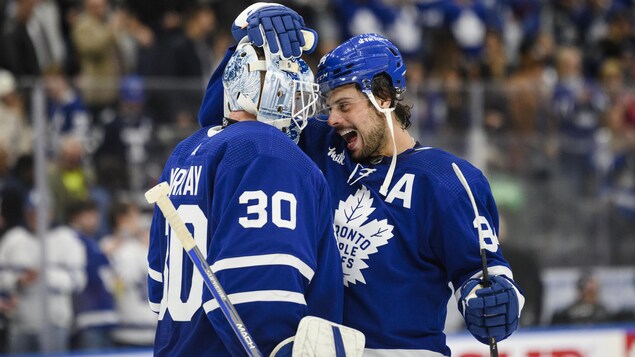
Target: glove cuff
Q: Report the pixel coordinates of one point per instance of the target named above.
(310, 40)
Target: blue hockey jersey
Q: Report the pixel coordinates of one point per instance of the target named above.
(95, 304)
(260, 211)
(399, 252)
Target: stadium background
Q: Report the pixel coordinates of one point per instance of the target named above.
(538, 94)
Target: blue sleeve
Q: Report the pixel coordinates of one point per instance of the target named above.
(157, 251)
(211, 112)
(457, 243)
(156, 259)
(273, 249)
(326, 291)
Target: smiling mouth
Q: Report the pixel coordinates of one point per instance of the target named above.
(350, 136)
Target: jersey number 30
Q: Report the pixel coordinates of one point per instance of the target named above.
(183, 308)
(258, 214)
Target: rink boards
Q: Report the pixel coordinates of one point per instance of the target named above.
(605, 342)
(587, 342)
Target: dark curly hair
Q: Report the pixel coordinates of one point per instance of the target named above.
(382, 88)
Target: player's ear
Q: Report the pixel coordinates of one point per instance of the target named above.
(384, 103)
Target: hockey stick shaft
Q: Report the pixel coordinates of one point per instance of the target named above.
(159, 195)
(493, 346)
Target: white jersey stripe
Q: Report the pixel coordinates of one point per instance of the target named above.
(96, 318)
(258, 296)
(155, 275)
(154, 306)
(493, 270)
(266, 259)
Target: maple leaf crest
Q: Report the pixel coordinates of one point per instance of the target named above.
(357, 236)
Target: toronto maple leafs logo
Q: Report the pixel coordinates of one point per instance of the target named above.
(358, 237)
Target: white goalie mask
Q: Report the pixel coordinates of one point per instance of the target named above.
(286, 99)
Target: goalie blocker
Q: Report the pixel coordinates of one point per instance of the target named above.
(318, 337)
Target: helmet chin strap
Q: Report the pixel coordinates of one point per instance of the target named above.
(260, 65)
(393, 163)
(247, 104)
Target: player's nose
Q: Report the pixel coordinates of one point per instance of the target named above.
(335, 119)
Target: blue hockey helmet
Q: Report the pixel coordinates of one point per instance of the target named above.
(359, 60)
(280, 92)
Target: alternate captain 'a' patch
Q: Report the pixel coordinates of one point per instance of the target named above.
(358, 236)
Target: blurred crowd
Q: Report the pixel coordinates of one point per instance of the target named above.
(548, 86)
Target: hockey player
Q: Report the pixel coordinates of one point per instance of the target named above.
(259, 209)
(417, 231)
(405, 225)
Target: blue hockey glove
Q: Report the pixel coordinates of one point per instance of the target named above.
(275, 26)
(492, 311)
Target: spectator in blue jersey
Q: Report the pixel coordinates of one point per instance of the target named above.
(404, 223)
(95, 315)
(578, 106)
(67, 111)
(260, 212)
(121, 156)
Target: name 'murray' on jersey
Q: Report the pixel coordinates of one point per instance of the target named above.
(184, 181)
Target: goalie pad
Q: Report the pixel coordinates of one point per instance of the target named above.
(318, 337)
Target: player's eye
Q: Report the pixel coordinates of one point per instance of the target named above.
(344, 106)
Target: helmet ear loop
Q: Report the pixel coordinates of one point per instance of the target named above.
(263, 74)
(393, 163)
